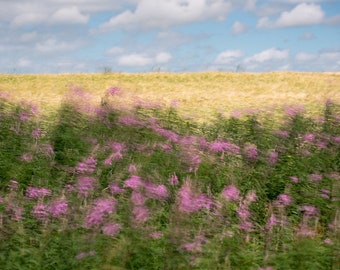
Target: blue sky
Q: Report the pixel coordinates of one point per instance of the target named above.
(75, 36)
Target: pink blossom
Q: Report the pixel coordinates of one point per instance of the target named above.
(251, 196)
(328, 241)
(190, 202)
(58, 208)
(336, 139)
(130, 121)
(111, 229)
(85, 184)
(134, 182)
(292, 111)
(309, 137)
(13, 184)
(115, 188)
(113, 90)
(322, 144)
(27, 157)
(282, 133)
(173, 180)
(273, 157)
(156, 235)
(272, 221)
(87, 166)
(40, 212)
(315, 177)
(141, 214)
(246, 226)
(36, 133)
(158, 192)
(294, 179)
(309, 210)
(231, 193)
(243, 213)
(219, 146)
(33, 192)
(132, 168)
(283, 200)
(137, 198)
(251, 151)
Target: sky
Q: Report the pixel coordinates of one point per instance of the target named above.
(77, 36)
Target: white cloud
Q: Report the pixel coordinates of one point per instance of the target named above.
(69, 15)
(29, 36)
(228, 56)
(52, 45)
(138, 59)
(163, 57)
(302, 57)
(28, 18)
(303, 14)
(165, 13)
(239, 28)
(268, 55)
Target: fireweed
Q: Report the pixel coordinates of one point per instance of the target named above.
(146, 189)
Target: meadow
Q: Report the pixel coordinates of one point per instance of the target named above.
(170, 171)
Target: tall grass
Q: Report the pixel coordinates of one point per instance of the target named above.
(93, 186)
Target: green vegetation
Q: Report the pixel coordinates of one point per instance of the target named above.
(95, 186)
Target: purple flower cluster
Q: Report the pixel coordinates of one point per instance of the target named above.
(34, 192)
(87, 166)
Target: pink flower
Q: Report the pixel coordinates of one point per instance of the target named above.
(173, 180)
(273, 157)
(231, 193)
(33, 192)
(315, 177)
(190, 202)
(292, 111)
(87, 166)
(156, 235)
(111, 229)
(115, 188)
(134, 182)
(294, 179)
(27, 157)
(251, 151)
(85, 184)
(251, 196)
(158, 192)
(282, 133)
(141, 214)
(309, 137)
(13, 184)
(246, 226)
(132, 168)
(243, 213)
(113, 90)
(284, 200)
(36, 133)
(58, 208)
(40, 212)
(137, 198)
(309, 210)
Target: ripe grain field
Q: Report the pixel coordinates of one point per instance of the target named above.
(198, 95)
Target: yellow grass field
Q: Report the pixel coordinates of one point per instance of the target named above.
(199, 95)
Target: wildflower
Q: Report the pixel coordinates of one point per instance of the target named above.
(33, 192)
(336, 139)
(294, 179)
(272, 157)
(192, 247)
(132, 168)
(58, 208)
(156, 235)
(85, 184)
(111, 229)
(113, 90)
(40, 212)
(231, 193)
(325, 193)
(105, 206)
(243, 213)
(134, 182)
(115, 188)
(272, 221)
(13, 184)
(322, 144)
(309, 210)
(251, 196)
(23, 116)
(292, 111)
(309, 137)
(190, 202)
(251, 151)
(282, 133)
(130, 121)
(137, 198)
(173, 180)
(27, 157)
(87, 166)
(284, 200)
(158, 192)
(315, 177)
(246, 226)
(328, 241)
(36, 133)
(141, 214)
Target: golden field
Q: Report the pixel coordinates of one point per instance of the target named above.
(199, 95)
